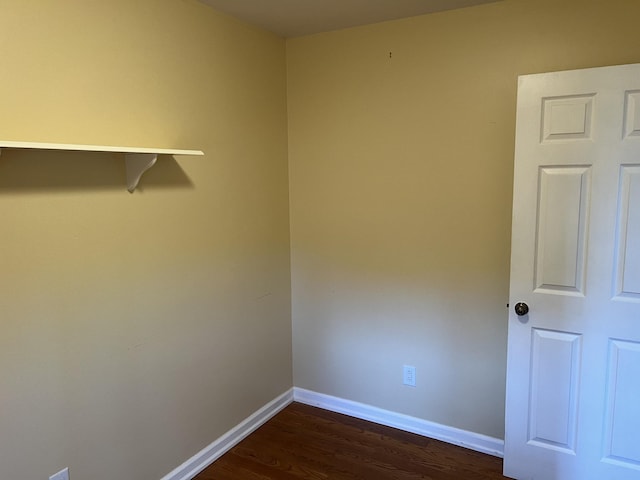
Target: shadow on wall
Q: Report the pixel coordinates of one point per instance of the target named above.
(33, 171)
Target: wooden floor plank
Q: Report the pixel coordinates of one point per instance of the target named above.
(303, 442)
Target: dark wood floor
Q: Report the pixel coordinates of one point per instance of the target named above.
(304, 442)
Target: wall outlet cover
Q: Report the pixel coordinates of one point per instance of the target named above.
(409, 375)
(61, 475)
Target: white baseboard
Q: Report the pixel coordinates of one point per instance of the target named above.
(455, 436)
(226, 442)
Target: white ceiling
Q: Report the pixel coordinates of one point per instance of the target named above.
(293, 18)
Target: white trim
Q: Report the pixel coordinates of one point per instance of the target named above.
(226, 442)
(463, 438)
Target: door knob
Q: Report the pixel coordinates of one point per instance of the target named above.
(521, 309)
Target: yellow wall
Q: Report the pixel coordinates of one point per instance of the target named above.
(136, 329)
(401, 151)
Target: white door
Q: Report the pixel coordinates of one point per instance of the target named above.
(573, 376)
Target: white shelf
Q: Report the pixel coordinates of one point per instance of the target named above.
(137, 160)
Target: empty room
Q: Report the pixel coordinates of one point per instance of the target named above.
(215, 210)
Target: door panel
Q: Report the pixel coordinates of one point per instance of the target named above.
(567, 118)
(573, 369)
(632, 113)
(622, 438)
(628, 248)
(562, 223)
(555, 360)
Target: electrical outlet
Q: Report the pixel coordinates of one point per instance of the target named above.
(61, 475)
(409, 375)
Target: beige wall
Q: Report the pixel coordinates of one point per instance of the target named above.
(400, 151)
(138, 328)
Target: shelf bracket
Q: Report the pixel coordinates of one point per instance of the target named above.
(137, 164)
